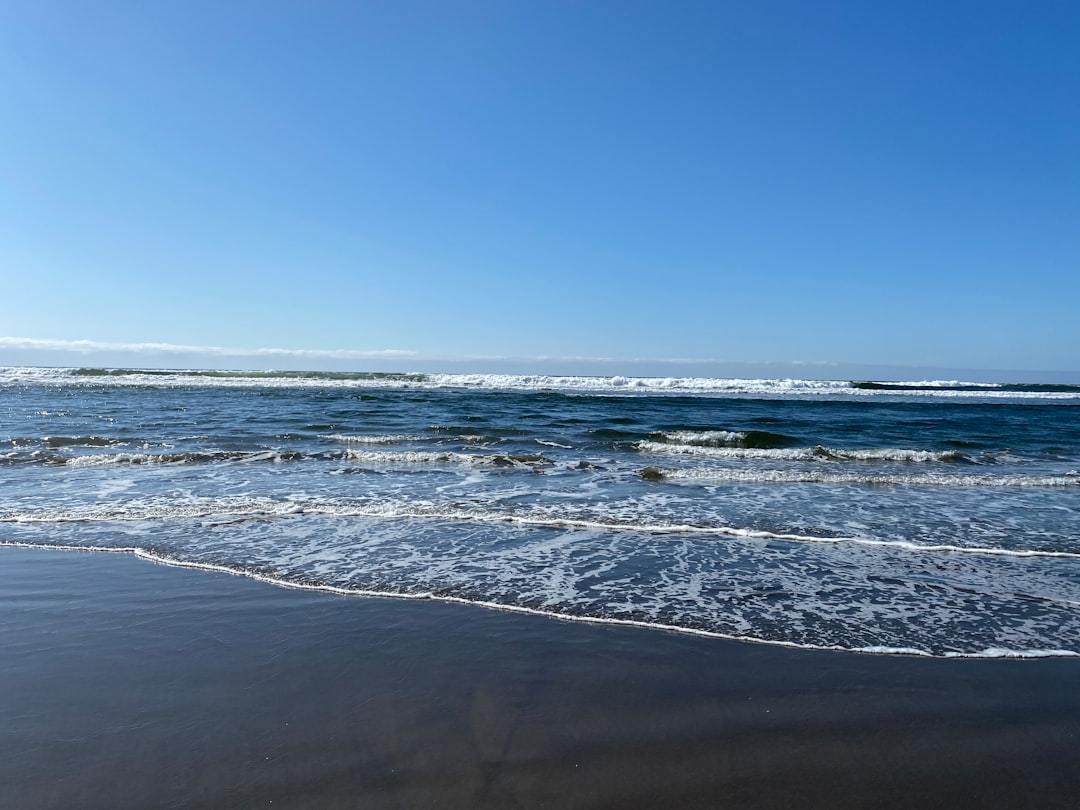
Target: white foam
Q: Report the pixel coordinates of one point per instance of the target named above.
(817, 453)
(810, 476)
(103, 459)
(106, 459)
(706, 438)
(152, 556)
(391, 457)
(1004, 652)
(389, 438)
(616, 385)
(416, 509)
(408, 457)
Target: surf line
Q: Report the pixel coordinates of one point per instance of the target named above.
(161, 559)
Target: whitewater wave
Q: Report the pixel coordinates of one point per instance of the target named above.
(533, 461)
(824, 477)
(817, 453)
(594, 385)
(210, 456)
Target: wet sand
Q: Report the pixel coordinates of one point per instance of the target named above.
(127, 684)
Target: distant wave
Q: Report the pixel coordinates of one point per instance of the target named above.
(969, 387)
(588, 385)
(248, 375)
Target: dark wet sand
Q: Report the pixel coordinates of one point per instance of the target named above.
(125, 684)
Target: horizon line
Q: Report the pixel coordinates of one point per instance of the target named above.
(413, 361)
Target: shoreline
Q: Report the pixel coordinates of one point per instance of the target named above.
(127, 684)
(152, 557)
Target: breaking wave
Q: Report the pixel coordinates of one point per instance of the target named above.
(817, 453)
(756, 439)
(823, 477)
(593, 385)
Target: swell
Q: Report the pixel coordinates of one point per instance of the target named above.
(26, 445)
(78, 441)
(750, 439)
(228, 509)
(435, 596)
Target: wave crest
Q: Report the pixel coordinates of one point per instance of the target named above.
(817, 453)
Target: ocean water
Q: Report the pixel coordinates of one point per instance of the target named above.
(933, 518)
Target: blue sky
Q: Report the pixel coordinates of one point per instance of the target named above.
(884, 184)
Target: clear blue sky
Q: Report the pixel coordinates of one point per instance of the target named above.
(853, 182)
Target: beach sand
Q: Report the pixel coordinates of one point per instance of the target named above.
(128, 684)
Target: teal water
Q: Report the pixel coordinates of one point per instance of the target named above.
(928, 518)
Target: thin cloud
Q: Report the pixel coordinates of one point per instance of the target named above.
(90, 346)
(603, 363)
(93, 346)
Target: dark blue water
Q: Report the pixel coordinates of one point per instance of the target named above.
(937, 519)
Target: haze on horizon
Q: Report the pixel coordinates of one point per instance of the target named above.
(629, 188)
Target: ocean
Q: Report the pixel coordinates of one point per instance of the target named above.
(937, 518)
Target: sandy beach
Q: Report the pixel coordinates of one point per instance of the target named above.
(128, 684)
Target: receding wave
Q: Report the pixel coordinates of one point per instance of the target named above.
(817, 453)
(824, 477)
